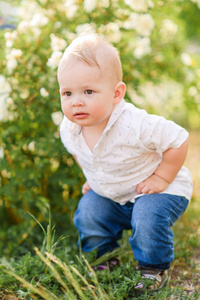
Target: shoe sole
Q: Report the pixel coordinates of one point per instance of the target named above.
(143, 291)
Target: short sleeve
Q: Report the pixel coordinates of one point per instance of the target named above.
(65, 135)
(159, 134)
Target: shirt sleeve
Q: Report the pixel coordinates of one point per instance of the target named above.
(159, 134)
(66, 136)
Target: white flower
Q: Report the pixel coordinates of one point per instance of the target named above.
(57, 117)
(1, 152)
(57, 43)
(39, 20)
(11, 65)
(27, 9)
(169, 27)
(137, 5)
(113, 32)
(23, 26)
(186, 59)
(10, 38)
(5, 89)
(145, 24)
(71, 8)
(192, 91)
(24, 93)
(89, 5)
(132, 21)
(4, 110)
(44, 92)
(105, 3)
(12, 59)
(31, 146)
(54, 60)
(142, 47)
(14, 53)
(5, 173)
(4, 86)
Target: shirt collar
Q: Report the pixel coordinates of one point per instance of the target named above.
(117, 111)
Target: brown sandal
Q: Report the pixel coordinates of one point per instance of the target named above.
(151, 280)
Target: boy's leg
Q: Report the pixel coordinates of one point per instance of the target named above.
(152, 217)
(100, 222)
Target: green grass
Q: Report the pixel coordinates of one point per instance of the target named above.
(60, 273)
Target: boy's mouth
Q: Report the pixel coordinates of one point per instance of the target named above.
(80, 115)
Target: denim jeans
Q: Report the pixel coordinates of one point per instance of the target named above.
(101, 221)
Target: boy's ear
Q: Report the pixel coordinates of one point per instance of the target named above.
(120, 90)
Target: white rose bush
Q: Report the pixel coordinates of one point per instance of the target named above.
(160, 54)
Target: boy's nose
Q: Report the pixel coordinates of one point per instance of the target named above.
(77, 101)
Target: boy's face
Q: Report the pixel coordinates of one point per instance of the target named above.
(87, 96)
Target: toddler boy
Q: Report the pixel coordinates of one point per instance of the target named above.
(132, 160)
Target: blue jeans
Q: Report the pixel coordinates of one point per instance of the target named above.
(100, 222)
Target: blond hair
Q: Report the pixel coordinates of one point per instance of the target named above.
(94, 50)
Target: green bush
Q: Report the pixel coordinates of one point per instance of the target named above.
(158, 45)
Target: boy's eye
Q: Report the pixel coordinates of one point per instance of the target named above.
(89, 92)
(68, 93)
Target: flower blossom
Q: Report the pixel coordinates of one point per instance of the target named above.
(54, 60)
(104, 3)
(113, 32)
(142, 47)
(89, 5)
(186, 59)
(5, 89)
(169, 26)
(139, 5)
(12, 59)
(144, 25)
(31, 146)
(39, 20)
(23, 26)
(10, 37)
(132, 21)
(57, 43)
(57, 117)
(168, 29)
(1, 152)
(193, 91)
(14, 53)
(71, 8)
(44, 92)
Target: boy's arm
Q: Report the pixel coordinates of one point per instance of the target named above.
(86, 186)
(172, 161)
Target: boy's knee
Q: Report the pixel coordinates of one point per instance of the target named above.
(86, 210)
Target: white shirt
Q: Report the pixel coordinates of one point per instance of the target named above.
(129, 151)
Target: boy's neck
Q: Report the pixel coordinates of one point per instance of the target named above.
(92, 135)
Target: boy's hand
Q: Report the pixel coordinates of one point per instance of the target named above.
(153, 184)
(85, 188)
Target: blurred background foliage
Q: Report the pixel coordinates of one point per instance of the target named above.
(159, 45)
